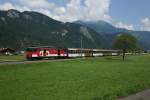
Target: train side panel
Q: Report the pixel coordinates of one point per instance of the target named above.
(40, 53)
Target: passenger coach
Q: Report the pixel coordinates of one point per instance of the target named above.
(52, 52)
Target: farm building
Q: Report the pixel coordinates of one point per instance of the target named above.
(6, 51)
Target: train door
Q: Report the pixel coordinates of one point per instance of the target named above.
(58, 52)
(44, 52)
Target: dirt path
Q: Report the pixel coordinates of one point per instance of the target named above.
(10, 62)
(18, 62)
(144, 95)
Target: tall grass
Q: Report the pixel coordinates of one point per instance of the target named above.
(83, 79)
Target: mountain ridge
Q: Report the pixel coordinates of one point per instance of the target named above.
(32, 28)
(22, 29)
(103, 27)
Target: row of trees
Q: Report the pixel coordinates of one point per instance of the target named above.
(125, 42)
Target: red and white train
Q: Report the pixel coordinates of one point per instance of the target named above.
(52, 52)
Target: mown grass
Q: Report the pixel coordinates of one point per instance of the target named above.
(12, 57)
(83, 79)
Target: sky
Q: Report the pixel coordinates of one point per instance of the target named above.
(129, 14)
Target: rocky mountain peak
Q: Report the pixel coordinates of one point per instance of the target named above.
(13, 13)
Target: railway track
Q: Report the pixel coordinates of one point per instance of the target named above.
(16, 62)
(11, 62)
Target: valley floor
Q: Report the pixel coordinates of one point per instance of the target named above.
(105, 78)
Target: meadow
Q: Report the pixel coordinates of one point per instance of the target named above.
(12, 58)
(104, 78)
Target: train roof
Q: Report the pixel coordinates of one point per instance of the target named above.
(92, 49)
(34, 47)
(104, 50)
(45, 47)
(78, 49)
(38, 47)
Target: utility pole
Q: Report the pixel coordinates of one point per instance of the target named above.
(81, 45)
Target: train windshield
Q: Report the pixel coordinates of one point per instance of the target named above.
(31, 49)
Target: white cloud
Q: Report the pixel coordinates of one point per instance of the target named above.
(98, 9)
(145, 24)
(36, 4)
(60, 10)
(6, 6)
(90, 10)
(72, 11)
(126, 26)
(87, 10)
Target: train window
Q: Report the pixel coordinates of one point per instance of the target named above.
(99, 51)
(79, 51)
(71, 51)
(31, 49)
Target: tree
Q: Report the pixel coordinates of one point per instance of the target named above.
(125, 42)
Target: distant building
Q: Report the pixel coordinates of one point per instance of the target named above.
(148, 51)
(6, 51)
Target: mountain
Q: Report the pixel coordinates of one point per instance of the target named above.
(101, 27)
(19, 30)
(143, 38)
(22, 29)
(109, 32)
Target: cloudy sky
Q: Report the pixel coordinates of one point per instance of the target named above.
(129, 14)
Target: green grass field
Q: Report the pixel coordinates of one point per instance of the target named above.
(12, 58)
(83, 79)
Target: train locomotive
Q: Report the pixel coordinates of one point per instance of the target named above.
(37, 53)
